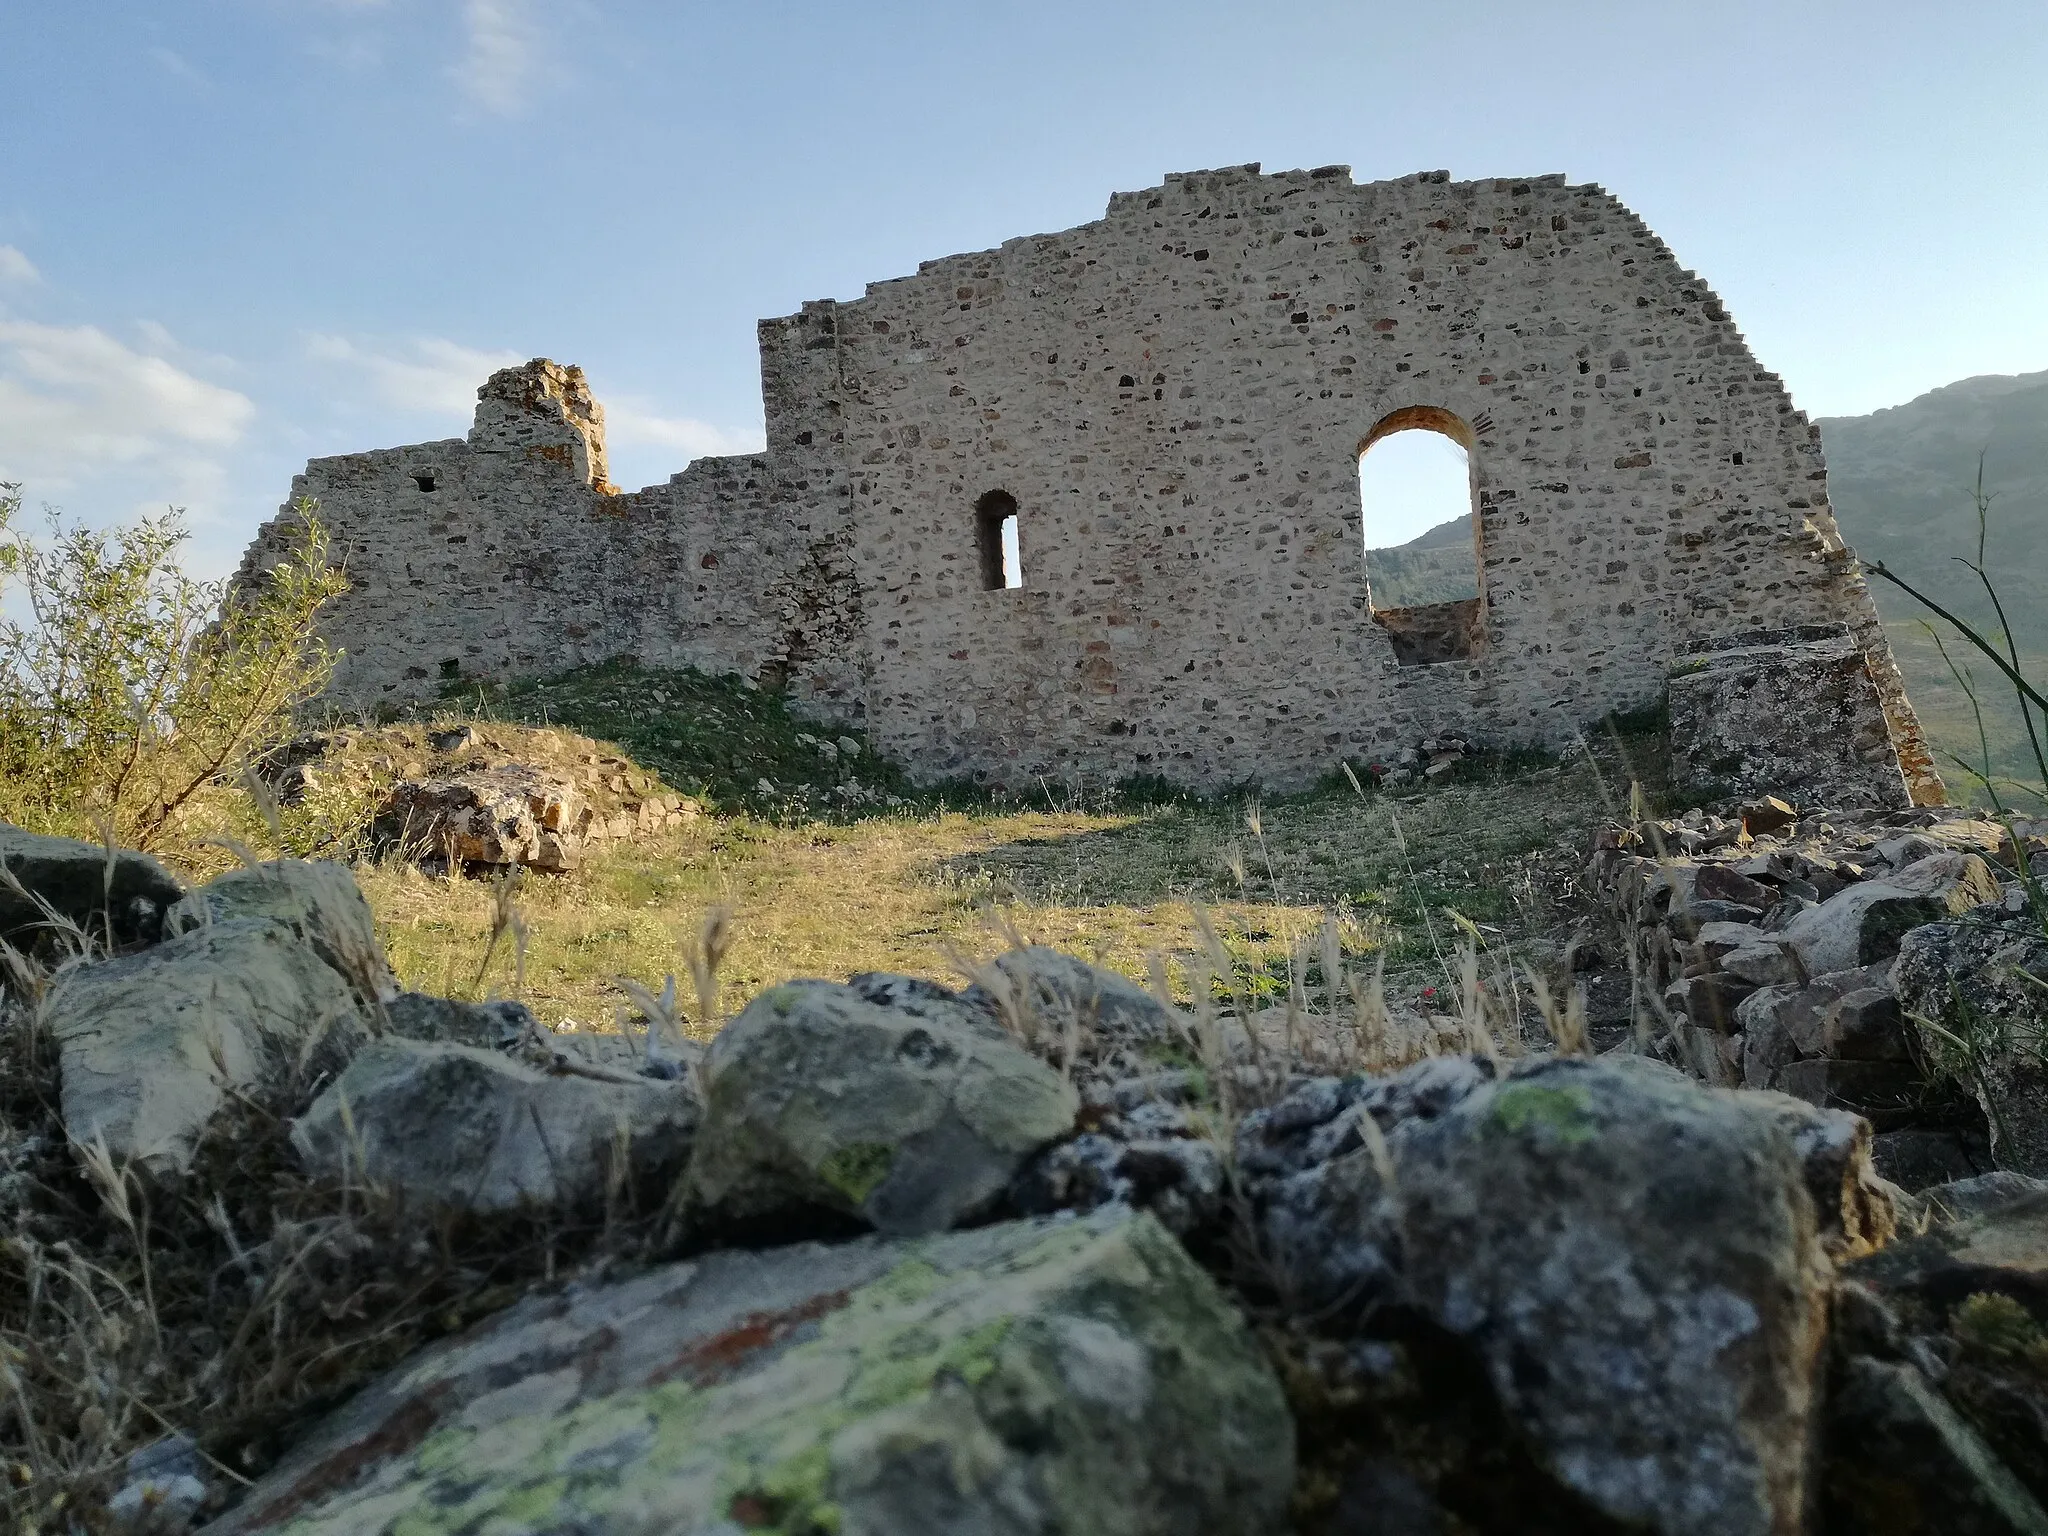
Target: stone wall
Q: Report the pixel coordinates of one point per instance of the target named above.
(1175, 398)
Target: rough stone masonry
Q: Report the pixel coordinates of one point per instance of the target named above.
(1171, 402)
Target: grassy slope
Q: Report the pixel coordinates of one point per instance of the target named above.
(903, 887)
(1901, 481)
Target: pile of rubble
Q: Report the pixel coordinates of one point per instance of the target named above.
(1434, 758)
(483, 795)
(1843, 957)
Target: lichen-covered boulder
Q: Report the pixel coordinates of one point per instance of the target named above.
(816, 1097)
(1938, 1422)
(1637, 1266)
(316, 900)
(1977, 991)
(466, 1129)
(149, 1044)
(120, 896)
(1067, 1375)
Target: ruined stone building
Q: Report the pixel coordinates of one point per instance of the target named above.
(1165, 409)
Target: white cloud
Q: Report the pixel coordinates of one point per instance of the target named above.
(176, 64)
(630, 425)
(75, 402)
(502, 56)
(428, 374)
(17, 268)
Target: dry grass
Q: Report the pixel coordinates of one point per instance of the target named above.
(899, 893)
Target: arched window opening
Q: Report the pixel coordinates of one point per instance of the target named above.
(1421, 534)
(998, 542)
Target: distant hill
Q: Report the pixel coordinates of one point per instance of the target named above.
(1902, 482)
(1433, 567)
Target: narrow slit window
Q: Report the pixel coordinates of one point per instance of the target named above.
(998, 541)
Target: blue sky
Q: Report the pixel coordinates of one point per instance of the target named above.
(238, 233)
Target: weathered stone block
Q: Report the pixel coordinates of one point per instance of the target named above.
(1793, 710)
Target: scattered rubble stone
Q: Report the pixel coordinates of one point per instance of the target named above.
(1800, 958)
(487, 794)
(1507, 1295)
(460, 1128)
(907, 1120)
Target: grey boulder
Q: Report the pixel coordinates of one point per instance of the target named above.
(459, 1128)
(816, 1097)
(1638, 1265)
(1078, 1375)
(150, 1044)
(1977, 992)
(317, 901)
(120, 895)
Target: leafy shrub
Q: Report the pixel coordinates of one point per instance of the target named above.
(132, 695)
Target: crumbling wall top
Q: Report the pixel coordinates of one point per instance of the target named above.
(547, 411)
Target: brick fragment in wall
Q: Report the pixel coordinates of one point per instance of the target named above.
(1173, 398)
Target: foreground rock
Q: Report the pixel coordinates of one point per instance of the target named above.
(1938, 1421)
(1066, 1375)
(1981, 986)
(908, 1115)
(466, 1129)
(317, 901)
(1638, 1266)
(151, 1044)
(120, 896)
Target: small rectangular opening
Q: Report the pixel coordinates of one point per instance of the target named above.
(998, 541)
(425, 480)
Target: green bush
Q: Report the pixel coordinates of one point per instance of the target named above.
(134, 697)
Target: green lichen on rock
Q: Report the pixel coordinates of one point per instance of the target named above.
(1994, 1324)
(1564, 1113)
(1082, 1374)
(855, 1170)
